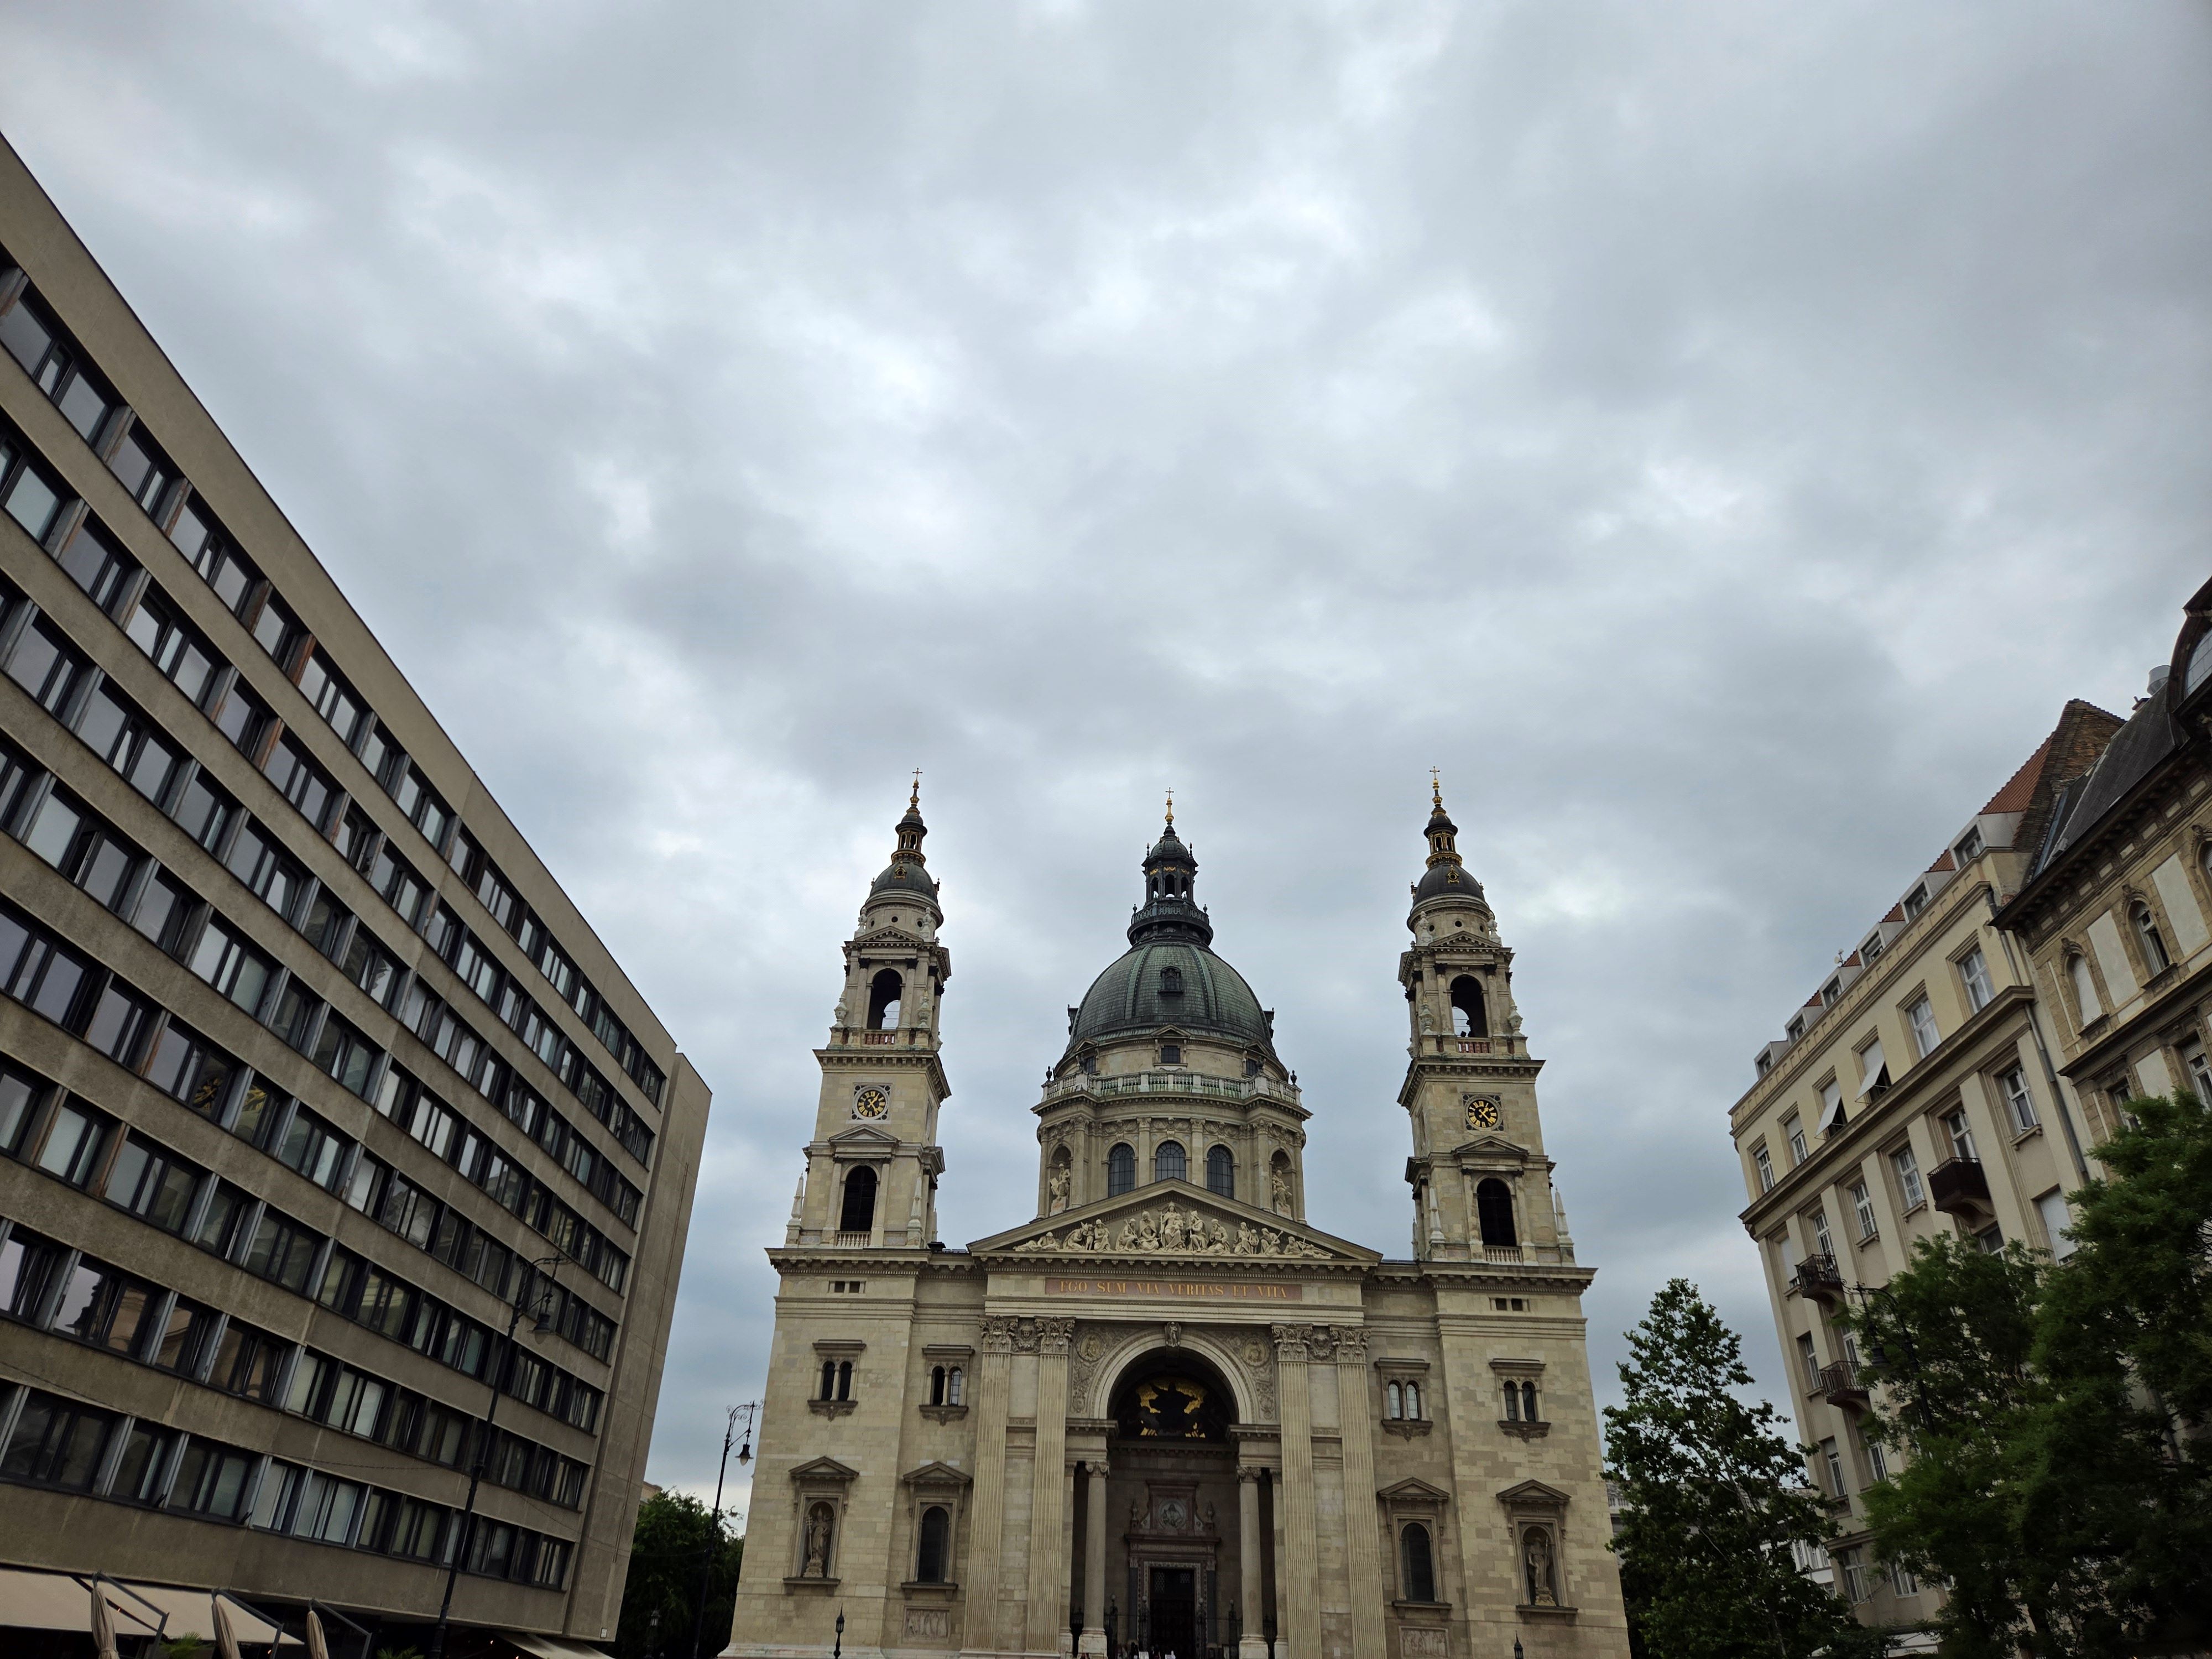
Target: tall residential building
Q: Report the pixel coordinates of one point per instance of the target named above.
(312, 1079)
(1167, 1408)
(2117, 913)
(1913, 1093)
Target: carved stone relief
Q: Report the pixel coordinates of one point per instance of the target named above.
(1172, 1231)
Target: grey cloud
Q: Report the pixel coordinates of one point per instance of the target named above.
(1719, 438)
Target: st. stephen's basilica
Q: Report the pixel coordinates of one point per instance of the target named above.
(1167, 1410)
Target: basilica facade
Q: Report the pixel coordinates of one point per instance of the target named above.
(1167, 1409)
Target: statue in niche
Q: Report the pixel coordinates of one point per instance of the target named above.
(1136, 1514)
(817, 1543)
(1278, 1188)
(1428, 1020)
(838, 1015)
(1536, 1553)
(1056, 1190)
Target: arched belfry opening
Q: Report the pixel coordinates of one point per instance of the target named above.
(1469, 1017)
(883, 993)
(1172, 1558)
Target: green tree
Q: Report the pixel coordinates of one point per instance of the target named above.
(1713, 1501)
(2057, 1475)
(667, 1550)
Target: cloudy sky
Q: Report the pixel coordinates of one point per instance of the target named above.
(1718, 437)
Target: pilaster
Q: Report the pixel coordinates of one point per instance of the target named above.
(1300, 1631)
(990, 1496)
(1363, 1548)
(1048, 1566)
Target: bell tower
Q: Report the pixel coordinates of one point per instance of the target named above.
(1481, 1184)
(871, 1169)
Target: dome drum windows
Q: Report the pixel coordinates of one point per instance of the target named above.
(1170, 1163)
(1120, 1169)
(1221, 1171)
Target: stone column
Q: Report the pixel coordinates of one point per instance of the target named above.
(1094, 1561)
(990, 1511)
(1300, 1630)
(1363, 1549)
(1048, 1564)
(1251, 1583)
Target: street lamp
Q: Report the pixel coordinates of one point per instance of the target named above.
(715, 1526)
(838, 1651)
(541, 1298)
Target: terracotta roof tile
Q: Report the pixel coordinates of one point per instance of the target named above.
(2020, 789)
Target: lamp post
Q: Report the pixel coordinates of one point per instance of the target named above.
(715, 1526)
(541, 1299)
(838, 1651)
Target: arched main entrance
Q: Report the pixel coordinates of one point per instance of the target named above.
(1172, 1543)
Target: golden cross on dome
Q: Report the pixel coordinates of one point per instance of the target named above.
(914, 801)
(1171, 806)
(1436, 789)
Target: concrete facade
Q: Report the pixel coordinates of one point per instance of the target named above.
(1167, 1407)
(335, 1063)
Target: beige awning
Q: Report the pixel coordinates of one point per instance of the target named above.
(553, 1647)
(57, 1601)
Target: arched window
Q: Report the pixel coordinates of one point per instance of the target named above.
(1513, 1403)
(1469, 1017)
(1493, 1206)
(937, 1385)
(1169, 1163)
(844, 1379)
(2154, 944)
(1120, 1169)
(1414, 1401)
(857, 1213)
(1420, 1569)
(1221, 1172)
(829, 1379)
(1529, 1403)
(884, 1000)
(2085, 987)
(1393, 1403)
(936, 1534)
(953, 1381)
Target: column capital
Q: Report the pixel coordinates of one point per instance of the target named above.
(1053, 1335)
(1253, 1472)
(1096, 1470)
(1293, 1342)
(999, 1333)
(1351, 1343)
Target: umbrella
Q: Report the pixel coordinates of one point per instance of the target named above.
(317, 1647)
(226, 1638)
(103, 1624)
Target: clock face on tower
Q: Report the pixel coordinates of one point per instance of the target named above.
(1482, 1115)
(871, 1102)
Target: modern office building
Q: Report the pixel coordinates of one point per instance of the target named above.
(1913, 1093)
(312, 1081)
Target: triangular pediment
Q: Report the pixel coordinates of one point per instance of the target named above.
(864, 1138)
(934, 1473)
(1411, 1490)
(1533, 1495)
(879, 938)
(1172, 1220)
(817, 1470)
(1490, 1149)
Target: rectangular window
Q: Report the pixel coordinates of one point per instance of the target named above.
(1808, 1358)
(325, 924)
(21, 1093)
(212, 1480)
(153, 1183)
(145, 1457)
(1974, 978)
(116, 730)
(200, 540)
(189, 1069)
(27, 1265)
(1862, 1207)
(1794, 1132)
(1962, 1137)
(242, 717)
(1832, 1457)
(1822, 1241)
(74, 1141)
(300, 781)
(98, 566)
(277, 631)
(356, 839)
(399, 885)
(282, 1250)
(345, 1054)
(32, 497)
(1921, 1016)
(227, 1211)
(174, 644)
(296, 1015)
(312, 1148)
(1970, 845)
(56, 1442)
(2051, 1208)
(248, 1361)
(338, 704)
(142, 470)
(412, 793)
(231, 965)
(165, 912)
(2018, 1101)
(46, 665)
(1908, 1178)
(1915, 902)
(204, 811)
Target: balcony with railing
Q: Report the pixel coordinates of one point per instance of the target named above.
(1190, 1085)
(1843, 1386)
(1817, 1278)
(1959, 1186)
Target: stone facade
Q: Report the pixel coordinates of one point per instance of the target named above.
(1167, 1407)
